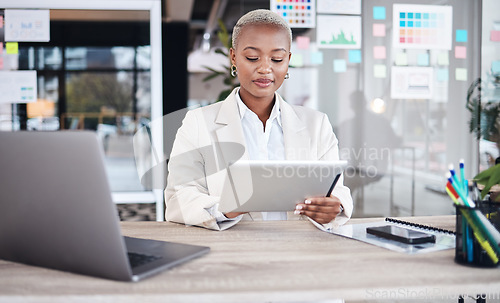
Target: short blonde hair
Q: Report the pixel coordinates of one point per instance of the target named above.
(260, 17)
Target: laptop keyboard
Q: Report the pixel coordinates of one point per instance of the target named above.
(136, 259)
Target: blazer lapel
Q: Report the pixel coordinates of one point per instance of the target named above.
(230, 130)
(296, 137)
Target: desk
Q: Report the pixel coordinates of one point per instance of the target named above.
(280, 261)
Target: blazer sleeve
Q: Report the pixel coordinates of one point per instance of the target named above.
(187, 196)
(329, 150)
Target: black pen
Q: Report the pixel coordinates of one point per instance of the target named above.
(333, 185)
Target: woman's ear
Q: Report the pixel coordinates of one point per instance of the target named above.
(232, 56)
(289, 56)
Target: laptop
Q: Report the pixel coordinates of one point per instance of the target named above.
(56, 211)
(276, 185)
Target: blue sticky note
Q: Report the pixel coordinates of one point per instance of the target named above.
(355, 56)
(461, 35)
(339, 66)
(379, 12)
(495, 67)
(317, 58)
(423, 59)
(442, 75)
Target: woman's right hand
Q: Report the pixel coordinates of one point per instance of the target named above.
(232, 215)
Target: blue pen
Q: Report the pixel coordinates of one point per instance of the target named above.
(466, 231)
(468, 202)
(454, 176)
(462, 176)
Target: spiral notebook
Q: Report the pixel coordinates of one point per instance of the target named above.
(445, 239)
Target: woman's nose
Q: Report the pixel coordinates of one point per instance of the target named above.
(264, 67)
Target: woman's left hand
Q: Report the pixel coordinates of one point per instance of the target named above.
(321, 209)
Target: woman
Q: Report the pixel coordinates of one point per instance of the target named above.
(255, 117)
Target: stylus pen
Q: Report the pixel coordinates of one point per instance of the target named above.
(333, 185)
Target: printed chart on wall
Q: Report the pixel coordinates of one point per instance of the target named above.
(348, 7)
(298, 13)
(339, 31)
(411, 82)
(422, 26)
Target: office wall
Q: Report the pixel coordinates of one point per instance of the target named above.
(422, 135)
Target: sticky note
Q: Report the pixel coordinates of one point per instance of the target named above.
(355, 56)
(443, 59)
(1, 63)
(495, 36)
(423, 59)
(297, 60)
(379, 52)
(379, 30)
(461, 74)
(442, 75)
(303, 42)
(379, 12)
(460, 52)
(461, 35)
(12, 48)
(339, 65)
(401, 59)
(1, 21)
(379, 71)
(317, 58)
(1, 48)
(495, 67)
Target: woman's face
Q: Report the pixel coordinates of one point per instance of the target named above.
(261, 56)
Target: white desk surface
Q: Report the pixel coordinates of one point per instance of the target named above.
(263, 261)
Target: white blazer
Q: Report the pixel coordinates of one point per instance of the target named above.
(197, 165)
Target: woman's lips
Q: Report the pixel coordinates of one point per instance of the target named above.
(263, 82)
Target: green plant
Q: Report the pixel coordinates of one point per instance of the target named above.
(228, 79)
(488, 178)
(483, 102)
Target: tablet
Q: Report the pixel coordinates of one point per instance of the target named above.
(276, 185)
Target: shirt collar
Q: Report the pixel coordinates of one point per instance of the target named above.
(243, 108)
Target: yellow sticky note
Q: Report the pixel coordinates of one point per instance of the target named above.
(12, 48)
(379, 71)
(401, 59)
(461, 74)
(297, 60)
(443, 59)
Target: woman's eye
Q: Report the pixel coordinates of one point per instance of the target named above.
(277, 60)
(251, 59)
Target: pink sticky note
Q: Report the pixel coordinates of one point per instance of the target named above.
(460, 52)
(495, 36)
(378, 30)
(379, 52)
(1, 48)
(1, 21)
(1, 63)
(303, 42)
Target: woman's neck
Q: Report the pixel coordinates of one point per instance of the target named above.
(260, 106)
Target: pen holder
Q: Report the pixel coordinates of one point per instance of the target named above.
(468, 249)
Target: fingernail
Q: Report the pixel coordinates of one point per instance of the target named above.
(298, 207)
(297, 212)
(307, 201)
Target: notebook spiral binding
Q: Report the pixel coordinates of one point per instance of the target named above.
(420, 226)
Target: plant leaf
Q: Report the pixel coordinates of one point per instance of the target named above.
(494, 179)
